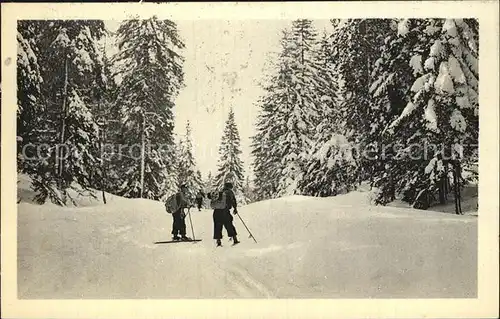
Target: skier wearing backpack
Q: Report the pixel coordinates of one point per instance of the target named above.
(222, 204)
(179, 223)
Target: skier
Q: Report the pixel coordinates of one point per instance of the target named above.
(179, 223)
(199, 199)
(222, 204)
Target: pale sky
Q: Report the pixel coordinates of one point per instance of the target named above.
(224, 62)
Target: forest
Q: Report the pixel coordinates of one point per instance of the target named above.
(389, 102)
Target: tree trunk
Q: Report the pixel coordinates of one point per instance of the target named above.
(60, 150)
(456, 186)
(446, 181)
(442, 190)
(143, 139)
(459, 177)
(392, 189)
(103, 164)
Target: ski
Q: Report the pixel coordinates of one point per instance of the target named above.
(178, 241)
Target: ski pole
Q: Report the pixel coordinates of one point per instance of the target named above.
(247, 228)
(191, 222)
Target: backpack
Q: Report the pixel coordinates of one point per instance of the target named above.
(171, 204)
(219, 201)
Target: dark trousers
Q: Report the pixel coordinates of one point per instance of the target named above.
(179, 224)
(199, 201)
(223, 218)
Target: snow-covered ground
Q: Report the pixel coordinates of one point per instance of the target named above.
(338, 247)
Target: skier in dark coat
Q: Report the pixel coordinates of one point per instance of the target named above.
(199, 199)
(222, 217)
(179, 223)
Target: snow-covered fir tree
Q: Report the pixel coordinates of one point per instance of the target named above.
(28, 75)
(329, 168)
(29, 91)
(81, 83)
(289, 112)
(71, 69)
(230, 165)
(149, 64)
(356, 47)
(441, 113)
(300, 110)
(107, 114)
(392, 78)
(267, 163)
(248, 191)
(187, 173)
(208, 184)
(199, 178)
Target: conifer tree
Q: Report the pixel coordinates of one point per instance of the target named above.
(330, 167)
(187, 172)
(29, 96)
(289, 112)
(441, 114)
(358, 46)
(300, 111)
(267, 163)
(149, 62)
(248, 192)
(109, 131)
(71, 69)
(209, 182)
(230, 166)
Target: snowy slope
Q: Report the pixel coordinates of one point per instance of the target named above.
(339, 247)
